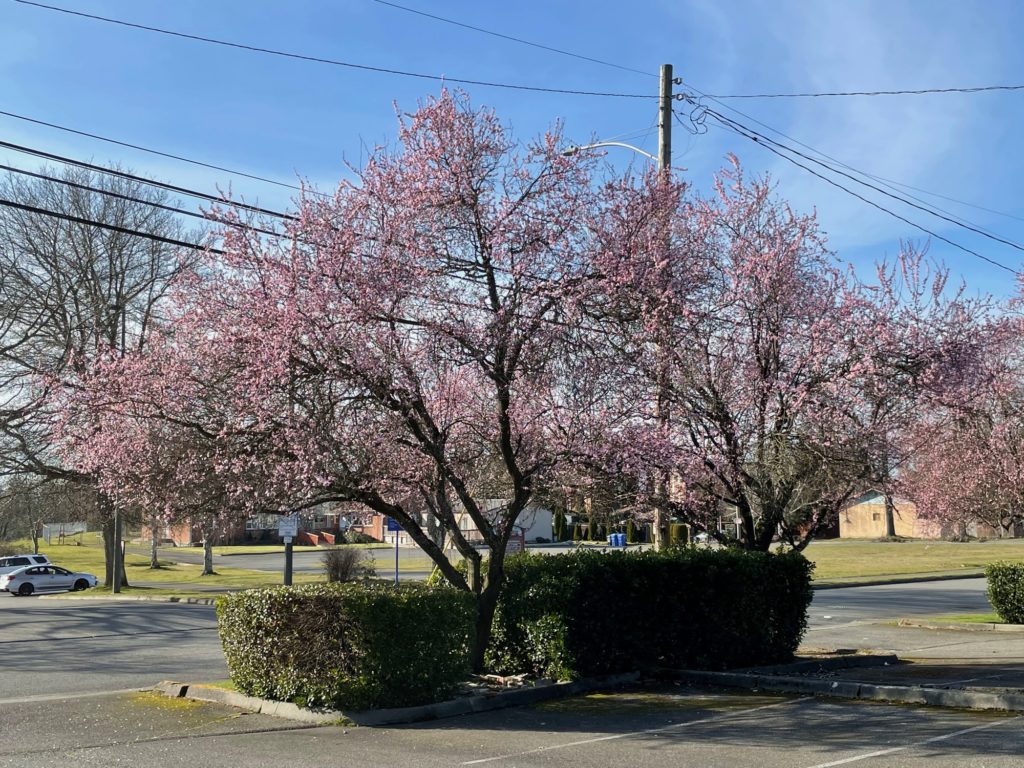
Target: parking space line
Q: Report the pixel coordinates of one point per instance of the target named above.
(932, 740)
(662, 729)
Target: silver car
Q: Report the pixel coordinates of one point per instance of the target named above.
(45, 578)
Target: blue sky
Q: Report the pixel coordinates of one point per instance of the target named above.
(281, 118)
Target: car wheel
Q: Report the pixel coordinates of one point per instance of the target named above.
(81, 584)
(25, 590)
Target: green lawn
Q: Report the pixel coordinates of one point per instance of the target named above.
(88, 558)
(838, 560)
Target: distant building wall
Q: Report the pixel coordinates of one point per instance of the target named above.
(865, 519)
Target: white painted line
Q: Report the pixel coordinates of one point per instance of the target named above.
(69, 696)
(674, 726)
(932, 740)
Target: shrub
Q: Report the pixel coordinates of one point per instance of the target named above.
(631, 537)
(8, 548)
(358, 537)
(347, 564)
(677, 534)
(587, 613)
(1006, 590)
(349, 646)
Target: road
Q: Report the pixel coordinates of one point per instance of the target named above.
(652, 727)
(75, 646)
(61, 653)
(52, 646)
(834, 607)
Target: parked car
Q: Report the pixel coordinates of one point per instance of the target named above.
(45, 578)
(14, 562)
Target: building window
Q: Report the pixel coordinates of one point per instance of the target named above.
(876, 516)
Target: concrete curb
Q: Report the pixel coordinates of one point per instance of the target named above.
(826, 664)
(882, 581)
(138, 598)
(453, 708)
(962, 627)
(897, 694)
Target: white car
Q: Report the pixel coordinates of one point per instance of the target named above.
(45, 578)
(14, 562)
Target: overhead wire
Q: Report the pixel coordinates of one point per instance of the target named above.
(338, 62)
(144, 180)
(902, 92)
(104, 225)
(757, 139)
(881, 179)
(925, 209)
(128, 198)
(530, 43)
(150, 150)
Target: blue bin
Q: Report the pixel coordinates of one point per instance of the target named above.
(618, 539)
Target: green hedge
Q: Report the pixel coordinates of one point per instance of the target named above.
(587, 613)
(1006, 590)
(348, 646)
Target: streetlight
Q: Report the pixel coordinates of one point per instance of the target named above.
(664, 165)
(574, 150)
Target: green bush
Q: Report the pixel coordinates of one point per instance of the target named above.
(1006, 590)
(587, 613)
(677, 534)
(631, 535)
(348, 646)
(348, 564)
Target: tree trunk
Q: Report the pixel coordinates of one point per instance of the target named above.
(890, 516)
(109, 538)
(208, 551)
(108, 552)
(37, 527)
(154, 543)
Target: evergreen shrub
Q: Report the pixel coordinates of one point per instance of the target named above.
(1006, 590)
(591, 613)
(348, 646)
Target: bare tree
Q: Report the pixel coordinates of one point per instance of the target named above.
(71, 291)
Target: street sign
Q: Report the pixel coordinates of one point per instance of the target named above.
(288, 527)
(393, 525)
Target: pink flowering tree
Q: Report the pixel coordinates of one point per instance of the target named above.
(932, 352)
(414, 343)
(966, 468)
(753, 357)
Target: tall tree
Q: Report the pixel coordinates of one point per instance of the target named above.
(412, 346)
(71, 291)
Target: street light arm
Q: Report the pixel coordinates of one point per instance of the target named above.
(575, 149)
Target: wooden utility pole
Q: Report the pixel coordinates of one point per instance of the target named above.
(662, 405)
(665, 120)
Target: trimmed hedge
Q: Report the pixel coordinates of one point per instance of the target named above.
(1006, 590)
(348, 646)
(591, 613)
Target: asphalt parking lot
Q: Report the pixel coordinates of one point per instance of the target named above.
(655, 727)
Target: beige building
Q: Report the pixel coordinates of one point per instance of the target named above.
(864, 518)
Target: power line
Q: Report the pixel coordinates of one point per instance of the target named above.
(143, 180)
(530, 43)
(147, 149)
(762, 138)
(742, 131)
(813, 95)
(104, 225)
(337, 62)
(881, 179)
(129, 198)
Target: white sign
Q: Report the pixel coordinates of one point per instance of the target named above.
(288, 527)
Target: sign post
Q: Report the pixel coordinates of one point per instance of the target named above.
(394, 527)
(288, 529)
